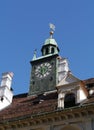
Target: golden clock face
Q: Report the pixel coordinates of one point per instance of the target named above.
(43, 70)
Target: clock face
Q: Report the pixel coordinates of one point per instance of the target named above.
(43, 70)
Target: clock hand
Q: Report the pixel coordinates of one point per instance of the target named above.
(43, 70)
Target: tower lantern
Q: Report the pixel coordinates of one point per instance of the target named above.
(50, 46)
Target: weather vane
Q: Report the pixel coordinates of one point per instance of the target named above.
(52, 29)
(52, 26)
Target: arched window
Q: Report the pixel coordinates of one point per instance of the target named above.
(47, 50)
(52, 50)
(69, 100)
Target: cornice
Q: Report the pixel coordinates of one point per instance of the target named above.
(68, 115)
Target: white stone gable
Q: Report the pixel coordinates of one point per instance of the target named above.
(70, 85)
(68, 79)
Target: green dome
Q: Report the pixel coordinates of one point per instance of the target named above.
(50, 41)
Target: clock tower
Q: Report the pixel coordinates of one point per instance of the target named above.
(49, 69)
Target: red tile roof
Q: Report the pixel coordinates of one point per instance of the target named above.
(89, 81)
(24, 105)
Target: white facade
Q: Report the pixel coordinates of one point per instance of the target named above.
(71, 85)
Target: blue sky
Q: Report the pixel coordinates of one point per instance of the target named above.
(24, 26)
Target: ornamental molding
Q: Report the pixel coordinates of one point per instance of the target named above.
(63, 116)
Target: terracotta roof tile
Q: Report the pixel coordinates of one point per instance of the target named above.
(89, 81)
(23, 105)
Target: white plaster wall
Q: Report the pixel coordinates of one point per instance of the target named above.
(4, 103)
(81, 95)
(6, 79)
(7, 96)
(2, 91)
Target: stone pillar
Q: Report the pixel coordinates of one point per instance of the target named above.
(61, 100)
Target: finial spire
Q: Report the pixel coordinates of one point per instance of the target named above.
(52, 29)
(34, 57)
